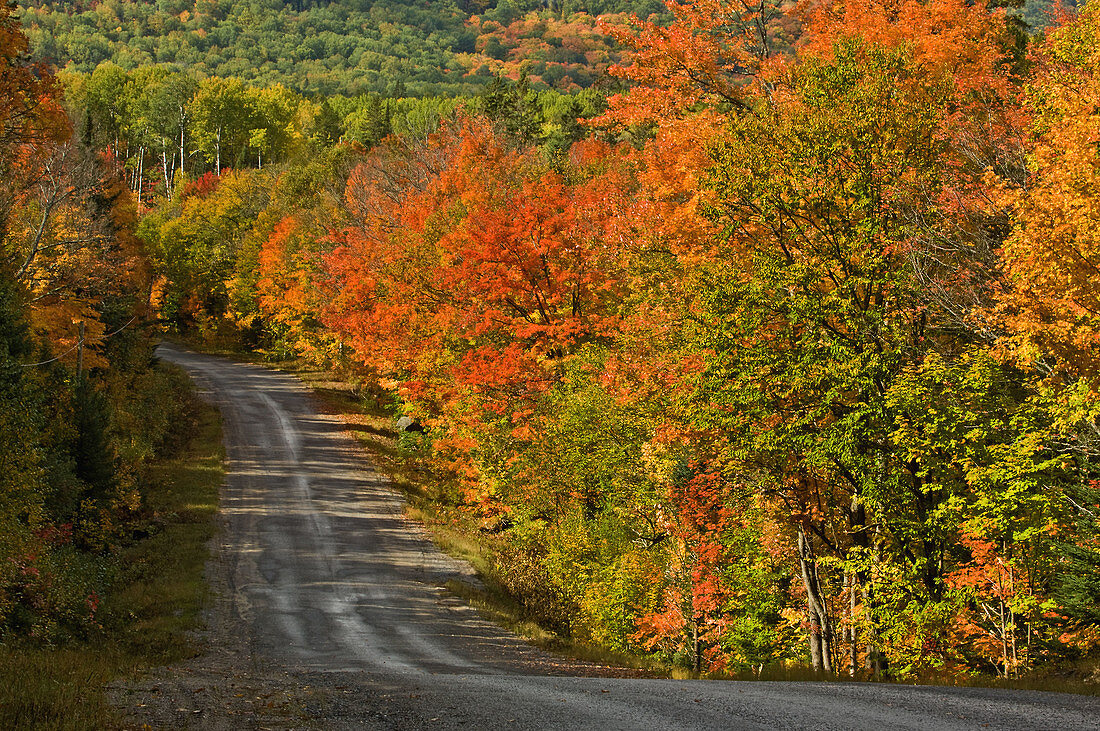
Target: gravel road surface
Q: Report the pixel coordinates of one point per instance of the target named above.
(331, 614)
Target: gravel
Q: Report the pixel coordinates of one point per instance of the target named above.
(330, 613)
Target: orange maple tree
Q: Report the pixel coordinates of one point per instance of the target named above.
(474, 269)
(1052, 304)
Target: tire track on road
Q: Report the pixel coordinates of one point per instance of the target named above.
(338, 600)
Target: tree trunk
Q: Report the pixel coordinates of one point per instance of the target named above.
(861, 538)
(696, 645)
(80, 354)
(875, 661)
(821, 631)
(853, 634)
(140, 173)
(164, 166)
(814, 623)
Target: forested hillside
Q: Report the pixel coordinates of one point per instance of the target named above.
(785, 354)
(348, 47)
(165, 128)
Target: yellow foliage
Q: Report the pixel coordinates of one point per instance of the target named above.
(57, 323)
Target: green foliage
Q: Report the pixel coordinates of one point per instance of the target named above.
(168, 128)
(755, 632)
(582, 509)
(72, 452)
(155, 588)
(92, 453)
(371, 122)
(589, 453)
(535, 585)
(222, 121)
(1038, 15)
(196, 242)
(975, 432)
(1076, 587)
(345, 47)
(811, 321)
(512, 105)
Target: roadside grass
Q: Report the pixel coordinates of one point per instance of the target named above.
(148, 617)
(165, 591)
(1067, 682)
(498, 607)
(56, 688)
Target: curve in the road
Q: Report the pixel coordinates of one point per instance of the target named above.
(325, 569)
(332, 581)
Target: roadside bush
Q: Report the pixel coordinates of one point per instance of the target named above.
(527, 579)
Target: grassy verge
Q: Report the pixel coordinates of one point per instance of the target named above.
(156, 599)
(1043, 680)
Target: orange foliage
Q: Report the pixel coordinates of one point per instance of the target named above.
(28, 110)
(1052, 308)
(566, 54)
(288, 290)
(708, 54)
(73, 234)
(472, 265)
(954, 41)
(65, 222)
(31, 120)
(1000, 588)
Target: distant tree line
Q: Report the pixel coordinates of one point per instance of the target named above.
(351, 48)
(165, 126)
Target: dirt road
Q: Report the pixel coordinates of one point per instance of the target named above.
(331, 615)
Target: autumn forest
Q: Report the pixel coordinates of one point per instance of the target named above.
(743, 334)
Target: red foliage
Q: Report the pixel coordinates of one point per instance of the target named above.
(701, 527)
(472, 267)
(203, 186)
